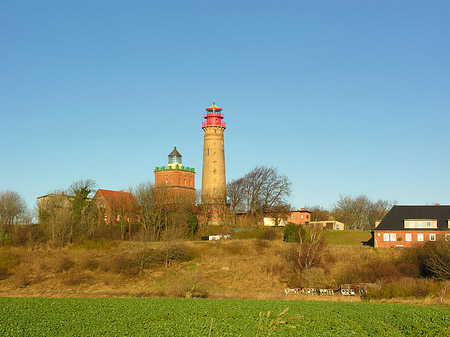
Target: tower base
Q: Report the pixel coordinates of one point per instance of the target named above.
(213, 214)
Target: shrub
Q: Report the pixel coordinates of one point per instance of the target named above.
(90, 263)
(269, 234)
(64, 263)
(291, 233)
(122, 264)
(95, 244)
(73, 278)
(8, 262)
(190, 285)
(27, 235)
(434, 259)
(406, 287)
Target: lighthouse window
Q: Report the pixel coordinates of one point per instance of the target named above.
(215, 130)
(208, 152)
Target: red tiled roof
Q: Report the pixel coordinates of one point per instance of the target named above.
(119, 199)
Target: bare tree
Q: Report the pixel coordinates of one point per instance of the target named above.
(164, 211)
(12, 209)
(55, 216)
(262, 189)
(318, 213)
(280, 211)
(359, 212)
(236, 195)
(306, 253)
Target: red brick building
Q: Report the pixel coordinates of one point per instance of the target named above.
(299, 217)
(116, 206)
(409, 226)
(176, 181)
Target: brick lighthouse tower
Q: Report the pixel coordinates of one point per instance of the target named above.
(214, 194)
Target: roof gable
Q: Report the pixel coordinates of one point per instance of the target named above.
(394, 219)
(118, 199)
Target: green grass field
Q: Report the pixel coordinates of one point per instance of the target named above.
(187, 317)
(348, 238)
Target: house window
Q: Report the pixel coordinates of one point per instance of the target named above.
(105, 218)
(393, 237)
(184, 182)
(408, 237)
(447, 237)
(301, 216)
(292, 216)
(432, 237)
(386, 237)
(420, 224)
(337, 226)
(167, 181)
(428, 223)
(420, 237)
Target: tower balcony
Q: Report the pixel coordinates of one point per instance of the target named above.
(213, 114)
(214, 123)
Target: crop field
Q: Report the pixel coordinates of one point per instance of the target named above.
(194, 317)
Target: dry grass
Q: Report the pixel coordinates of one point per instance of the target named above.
(225, 269)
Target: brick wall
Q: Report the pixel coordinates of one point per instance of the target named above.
(412, 238)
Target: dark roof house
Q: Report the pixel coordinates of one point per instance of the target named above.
(408, 226)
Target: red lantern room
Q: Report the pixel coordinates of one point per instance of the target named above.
(213, 116)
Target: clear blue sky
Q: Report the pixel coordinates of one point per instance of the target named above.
(343, 97)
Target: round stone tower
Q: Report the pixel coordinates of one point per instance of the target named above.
(214, 194)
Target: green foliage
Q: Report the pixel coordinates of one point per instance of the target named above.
(187, 317)
(291, 233)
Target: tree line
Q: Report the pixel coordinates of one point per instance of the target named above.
(261, 192)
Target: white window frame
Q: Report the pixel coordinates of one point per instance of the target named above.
(393, 237)
(385, 236)
(420, 224)
(432, 237)
(408, 237)
(420, 237)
